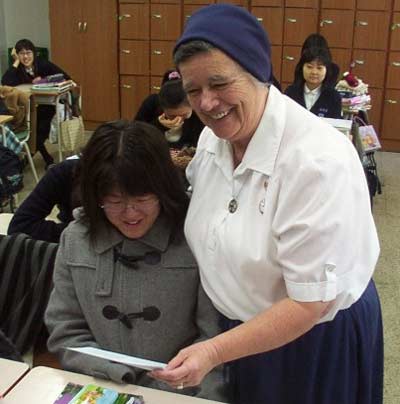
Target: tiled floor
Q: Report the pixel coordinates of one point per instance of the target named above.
(387, 276)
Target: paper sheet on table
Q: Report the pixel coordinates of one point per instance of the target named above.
(121, 358)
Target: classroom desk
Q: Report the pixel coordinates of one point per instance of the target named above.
(11, 372)
(42, 385)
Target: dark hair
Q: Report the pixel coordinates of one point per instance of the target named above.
(172, 95)
(166, 77)
(25, 44)
(134, 158)
(316, 41)
(322, 56)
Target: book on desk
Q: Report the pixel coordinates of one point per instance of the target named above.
(57, 87)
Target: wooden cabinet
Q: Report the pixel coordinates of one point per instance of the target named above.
(165, 21)
(390, 138)
(371, 30)
(134, 21)
(342, 57)
(83, 42)
(374, 115)
(373, 4)
(271, 18)
(134, 57)
(290, 58)
(298, 24)
(370, 66)
(339, 4)
(337, 27)
(134, 89)
(395, 32)
(393, 71)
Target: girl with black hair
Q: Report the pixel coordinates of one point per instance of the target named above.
(28, 68)
(312, 86)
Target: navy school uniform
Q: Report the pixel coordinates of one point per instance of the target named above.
(328, 105)
(336, 362)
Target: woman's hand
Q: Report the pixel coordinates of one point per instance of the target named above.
(36, 79)
(170, 123)
(189, 367)
(15, 57)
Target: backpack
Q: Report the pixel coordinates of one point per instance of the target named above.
(11, 176)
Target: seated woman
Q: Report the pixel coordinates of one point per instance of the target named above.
(312, 86)
(126, 254)
(177, 121)
(54, 189)
(27, 68)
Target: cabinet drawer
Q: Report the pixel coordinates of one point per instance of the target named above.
(374, 114)
(302, 3)
(373, 4)
(272, 21)
(242, 3)
(339, 4)
(393, 71)
(298, 24)
(161, 57)
(342, 57)
(188, 10)
(268, 3)
(203, 2)
(165, 21)
(395, 30)
(390, 120)
(370, 66)
(133, 90)
(134, 21)
(276, 57)
(290, 58)
(337, 27)
(396, 5)
(134, 57)
(371, 30)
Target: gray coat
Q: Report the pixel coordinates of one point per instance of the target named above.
(87, 278)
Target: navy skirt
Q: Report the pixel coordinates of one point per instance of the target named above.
(337, 362)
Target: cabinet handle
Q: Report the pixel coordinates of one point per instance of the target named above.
(158, 88)
(292, 20)
(125, 86)
(291, 58)
(395, 25)
(157, 16)
(187, 16)
(391, 101)
(79, 26)
(260, 19)
(121, 17)
(84, 29)
(127, 51)
(396, 64)
(362, 23)
(323, 22)
(157, 52)
(359, 62)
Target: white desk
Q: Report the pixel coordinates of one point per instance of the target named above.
(42, 385)
(11, 372)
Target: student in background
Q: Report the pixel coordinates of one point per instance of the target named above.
(312, 85)
(26, 69)
(126, 254)
(175, 117)
(56, 188)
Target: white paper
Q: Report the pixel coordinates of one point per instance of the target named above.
(339, 123)
(121, 358)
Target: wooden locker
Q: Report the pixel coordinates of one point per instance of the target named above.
(165, 21)
(161, 57)
(298, 24)
(390, 137)
(134, 57)
(134, 89)
(395, 32)
(342, 57)
(134, 21)
(339, 4)
(371, 30)
(370, 66)
(393, 71)
(374, 114)
(337, 27)
(271, 18)
(383, 5)
(290, 58)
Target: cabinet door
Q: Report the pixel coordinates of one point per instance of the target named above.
(188, 10)
(134, 57)
(371, 30)
(342, 57)
(134, 89)
(290, 58)
(370, 66)
(339, 4)
(299, 23)
(390, 136)
(337, 27)
(66, 33)
(134, 21)
(276, 58)
(374, 4)
(165, 21)
(155, 84)
(396, 5)
(203, 2)
(374, 114)
(302, 3)
(165, 1)
(268, 3)
(393, 71)
(242, 3)
(161, 57)
(272, 20)
(100, 99)
(395, 28)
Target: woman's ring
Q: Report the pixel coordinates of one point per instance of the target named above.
(179, 386)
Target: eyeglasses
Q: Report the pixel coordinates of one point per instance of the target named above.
(25, 53)
(144, 205)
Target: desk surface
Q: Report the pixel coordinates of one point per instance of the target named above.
(11, 372)
(5, 118)
(42, 385)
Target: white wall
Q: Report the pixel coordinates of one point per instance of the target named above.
(23, 19)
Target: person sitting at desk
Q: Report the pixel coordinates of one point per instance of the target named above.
(26, 69)
(312, 88)
(175, 118)
(126, 252)
(56, 188)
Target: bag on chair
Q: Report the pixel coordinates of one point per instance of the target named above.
(72, 134)
(11, 174)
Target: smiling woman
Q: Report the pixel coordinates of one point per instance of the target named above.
(126, 249)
